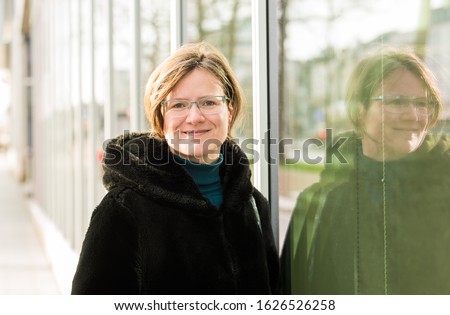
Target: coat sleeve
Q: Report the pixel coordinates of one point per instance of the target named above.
(294, 255)
(299, 238)
(108, 261)
(273, 263)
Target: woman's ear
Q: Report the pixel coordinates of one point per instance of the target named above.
(230, 119)
(230, 114)
(362, 112)
(361, 118)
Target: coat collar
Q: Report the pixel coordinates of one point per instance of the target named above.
(145, 164)
(434, 151)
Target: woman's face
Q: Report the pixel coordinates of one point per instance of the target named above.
(197, 136)
(402, 132)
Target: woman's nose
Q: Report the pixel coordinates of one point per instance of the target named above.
(194, 114)
(411, 113)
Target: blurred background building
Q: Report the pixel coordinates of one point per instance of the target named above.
(72, 74)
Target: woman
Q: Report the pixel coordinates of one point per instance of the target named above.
(379, 224)
(181, 215)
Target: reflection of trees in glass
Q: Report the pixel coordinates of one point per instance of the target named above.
(100, 52)
(218, 22)
(337, 34)
(437, 56)
(422, 30)
(227, 25)
(155, 34)
(121, 33)
(121, 64)
(321, 75)
(319, 44)
(282, 20)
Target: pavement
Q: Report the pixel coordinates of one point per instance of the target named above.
(24, 267)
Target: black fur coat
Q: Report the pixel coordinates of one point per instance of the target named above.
(371, 227)
(155, 233)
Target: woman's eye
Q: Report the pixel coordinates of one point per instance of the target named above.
(178, 105)
(396, 102)
(421, 103)
(208, 103)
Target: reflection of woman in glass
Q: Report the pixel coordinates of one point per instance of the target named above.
(181, 215)
(379, 224)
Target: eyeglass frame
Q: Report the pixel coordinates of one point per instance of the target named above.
(412, 100)
(196, 102)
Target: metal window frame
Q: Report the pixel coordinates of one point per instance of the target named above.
(265, 103)
(178, 24)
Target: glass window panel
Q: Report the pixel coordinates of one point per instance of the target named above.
(77, 131)
(228, 26)
(86, 101)
(121, 61)
(155, 39)
(323, 42)
(100, 65)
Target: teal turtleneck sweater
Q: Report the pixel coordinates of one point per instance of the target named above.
(207, 177)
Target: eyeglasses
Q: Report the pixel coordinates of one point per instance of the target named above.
(208, 105)
(399, 104)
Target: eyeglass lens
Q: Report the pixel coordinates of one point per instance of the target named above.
(207, 105)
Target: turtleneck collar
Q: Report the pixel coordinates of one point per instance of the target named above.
(206, 176)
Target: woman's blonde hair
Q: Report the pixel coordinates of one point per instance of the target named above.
(370, 73)
(187, 58)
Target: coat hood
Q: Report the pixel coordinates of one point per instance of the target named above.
(147, 165)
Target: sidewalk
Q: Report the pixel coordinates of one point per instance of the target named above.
(24, 268)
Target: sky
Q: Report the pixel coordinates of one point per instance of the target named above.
(354, 25)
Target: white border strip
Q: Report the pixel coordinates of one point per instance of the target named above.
(62, 257)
